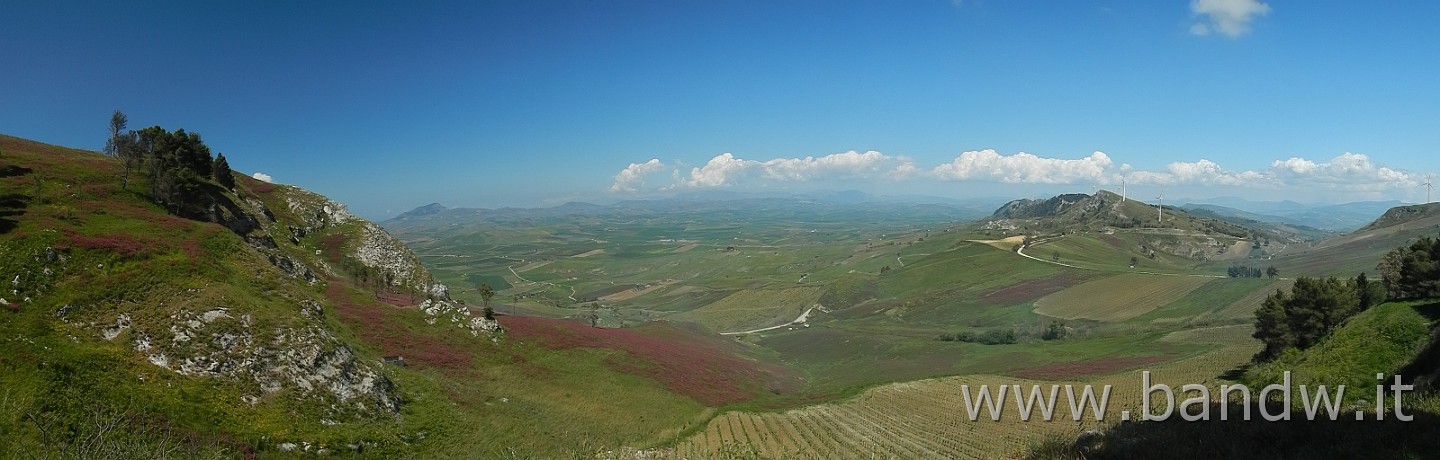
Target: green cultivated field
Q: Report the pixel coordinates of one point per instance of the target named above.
(911, 305)
(1119, 297)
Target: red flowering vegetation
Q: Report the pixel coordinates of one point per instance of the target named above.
(380, 325)
(100, 189)
(1077, 369)
(398, 300)
(685, 362)
(171, 223)
(1031, 290)
(1113, 241)
(334, 247)
(119, 243)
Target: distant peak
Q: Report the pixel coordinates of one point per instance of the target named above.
(429, 209)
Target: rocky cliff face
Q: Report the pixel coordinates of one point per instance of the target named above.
(372, 246)
(1025, 208)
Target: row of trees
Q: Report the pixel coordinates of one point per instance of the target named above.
(1241, 271)
(987, 337)
(1056, 330)
(178, 164)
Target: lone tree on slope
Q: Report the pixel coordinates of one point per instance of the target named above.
(115, 144)
(487, 293)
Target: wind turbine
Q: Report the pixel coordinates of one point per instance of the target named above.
(1161, 215)
(1123, 191)
(1427, 187)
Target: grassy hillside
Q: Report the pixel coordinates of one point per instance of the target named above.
(1384, 339)
(127, 332)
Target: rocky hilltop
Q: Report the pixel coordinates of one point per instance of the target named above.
(1405, 214)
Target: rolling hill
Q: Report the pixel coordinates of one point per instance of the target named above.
(1360, 250)
(1338, 218)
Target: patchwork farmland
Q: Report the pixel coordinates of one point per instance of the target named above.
(898, 316)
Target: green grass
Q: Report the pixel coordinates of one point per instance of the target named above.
(1119, 297)
(1207, 301)
(1380, 340)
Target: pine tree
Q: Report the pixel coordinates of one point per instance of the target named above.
(222, 174)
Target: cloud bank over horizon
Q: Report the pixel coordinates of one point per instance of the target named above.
(1345, 173)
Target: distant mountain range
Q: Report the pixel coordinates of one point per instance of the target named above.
(1340, 218)
(822, 202)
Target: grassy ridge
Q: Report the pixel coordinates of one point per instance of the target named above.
(83, 252)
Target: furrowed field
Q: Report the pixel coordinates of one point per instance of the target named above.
(929, 419)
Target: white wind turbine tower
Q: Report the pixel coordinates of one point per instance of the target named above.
(1161, 208)
(1123, 192)
(1427, 187)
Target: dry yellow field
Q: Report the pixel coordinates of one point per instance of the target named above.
(1117, 298)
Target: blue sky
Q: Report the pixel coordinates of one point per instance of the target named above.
(390, 105)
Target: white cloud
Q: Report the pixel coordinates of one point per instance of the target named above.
(632, 177)
(1347, 172)
(724, 169)
(850, 163)
(1230, 18)
(905, 168)
(262, 177)
(1025, 168)
(1203, 172)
